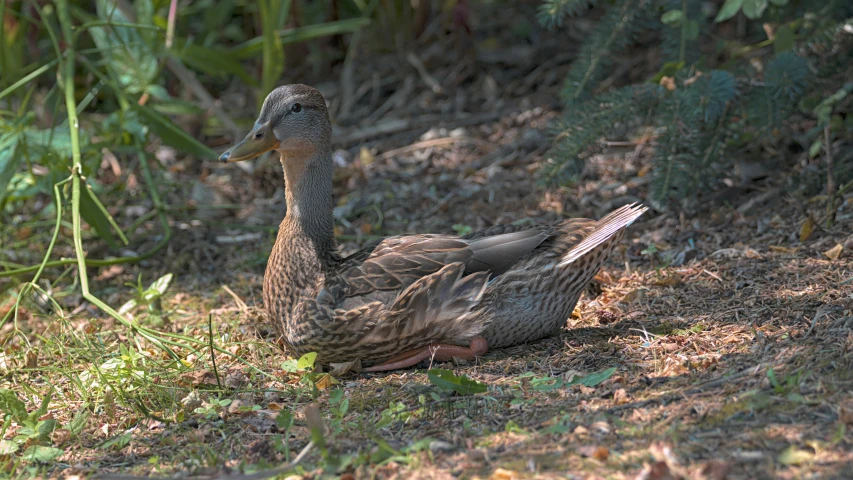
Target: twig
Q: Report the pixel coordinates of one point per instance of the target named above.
(434, 142)
(398, 125)
(212, 355)
(239, 301)
(830, 178)
(431, 82)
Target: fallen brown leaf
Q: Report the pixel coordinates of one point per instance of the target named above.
(807, 229)
(341, 369)
(503, 474)
(594, 451)
(656, 471)
(60, 436)
(834, 252)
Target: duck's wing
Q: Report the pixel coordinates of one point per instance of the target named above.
(397, 262)
(433, 309)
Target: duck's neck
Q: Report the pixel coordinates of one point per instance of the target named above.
(308, 191)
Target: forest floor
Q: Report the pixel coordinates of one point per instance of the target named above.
(725, 353)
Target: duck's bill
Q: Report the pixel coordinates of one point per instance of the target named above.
(259, 141)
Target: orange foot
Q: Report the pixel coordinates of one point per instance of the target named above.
(438, 351)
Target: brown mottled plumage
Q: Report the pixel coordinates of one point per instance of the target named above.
(407, 298)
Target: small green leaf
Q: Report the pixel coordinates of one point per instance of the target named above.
(593, 379)
(815, 148)
(78, 423)
(162, 283)
(794, 456)
(784, 39)
(8, 165)
(446, 380)
(753, 9)
(118, 442)
(336, 395)
(128, 306)
(284, 420)
(306, 362)
(38, 453)
(513, 427)
(171, 134)
(771, 375)
(45, 428)
(8, 447)
(728, 10)
(9, 402)
(546, 384)
(672, 17)
(289, 365)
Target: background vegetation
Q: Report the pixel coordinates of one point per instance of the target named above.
(98, 98)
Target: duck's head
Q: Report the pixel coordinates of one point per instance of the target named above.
(293, 121)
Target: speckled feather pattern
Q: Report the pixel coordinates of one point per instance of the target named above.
(507, 283)
(392, 297)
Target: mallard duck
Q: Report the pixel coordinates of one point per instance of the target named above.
(408, 298)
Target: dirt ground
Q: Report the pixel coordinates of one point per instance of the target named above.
(732, 345)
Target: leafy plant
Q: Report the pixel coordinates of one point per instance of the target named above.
(110, 70)
(35, 430)
(702, 111)
(150, 298)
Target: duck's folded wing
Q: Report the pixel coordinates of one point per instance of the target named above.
(397, 262)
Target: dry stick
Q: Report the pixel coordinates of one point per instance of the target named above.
(431, 82)
(830, 178)
(399, 125)
(212, 352)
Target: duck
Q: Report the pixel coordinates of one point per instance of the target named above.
(407, 299)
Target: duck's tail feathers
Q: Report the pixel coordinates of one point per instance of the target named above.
(606, 228)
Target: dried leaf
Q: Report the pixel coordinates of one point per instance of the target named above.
(807, 229)
(620, 396)
(670, 280)
(594, 451)
(503, 474)
(834, 252)
(365, 157)
(325, 381)
(781, 249)
(634, 296)
(341, 369)
(714, 470)
(656, 471)
(32, 359)
(60, 436)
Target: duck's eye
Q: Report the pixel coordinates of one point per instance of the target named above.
(296, 108)
(259, 135)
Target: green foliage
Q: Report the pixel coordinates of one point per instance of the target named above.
(701, 116)
(446, 380)
(552, 13)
